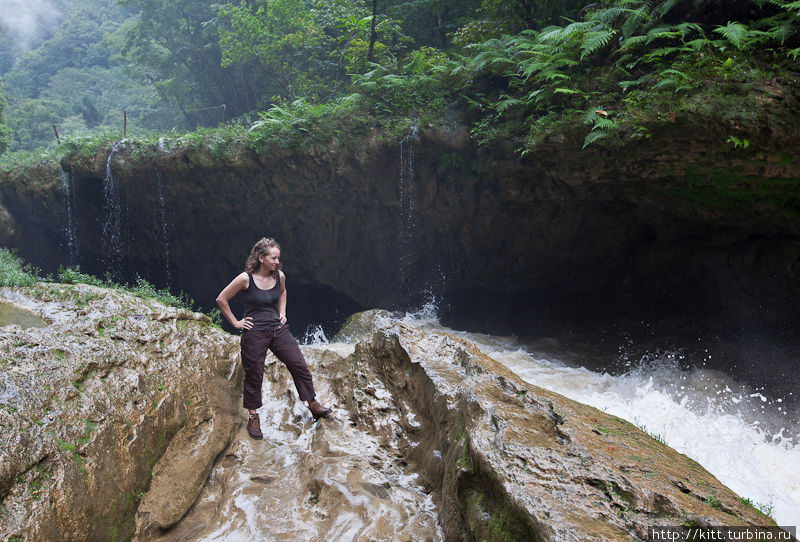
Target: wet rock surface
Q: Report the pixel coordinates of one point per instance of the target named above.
(96, 406)
(514, 461)
(335, 479)
(122, 419)
(432, 440)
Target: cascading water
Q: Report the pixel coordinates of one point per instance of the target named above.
(749, 442)
(67, 182)
(112, 245)
(407, 220)
(163, 217)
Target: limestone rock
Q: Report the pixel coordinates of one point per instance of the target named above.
(512, 461)
(116, 403)
(121, 420)
(430, 439)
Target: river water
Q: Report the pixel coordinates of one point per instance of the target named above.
(749, 441)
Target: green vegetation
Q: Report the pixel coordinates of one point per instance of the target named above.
(14, 273)
(286, 73)
(66, 446)
(5, 131)
(712, 501)
(766, 509)
(41, 477)
(141, 287)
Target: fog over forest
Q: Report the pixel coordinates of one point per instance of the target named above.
(27, 23)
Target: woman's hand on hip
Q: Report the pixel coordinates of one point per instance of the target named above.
(282, 318)
(244, 323)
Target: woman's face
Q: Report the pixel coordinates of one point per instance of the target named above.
(271, 260)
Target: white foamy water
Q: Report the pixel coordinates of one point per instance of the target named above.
(751, 444)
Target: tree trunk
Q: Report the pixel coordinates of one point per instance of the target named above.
(373, 36)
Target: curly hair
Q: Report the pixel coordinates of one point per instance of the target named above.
(261, 248)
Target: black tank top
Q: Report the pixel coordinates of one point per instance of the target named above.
(262, 305)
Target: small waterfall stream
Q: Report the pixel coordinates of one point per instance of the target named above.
(163, 219)
(112, 243)
(68, 182)
(408, 153)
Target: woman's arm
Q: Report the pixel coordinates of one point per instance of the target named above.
(282, 302)
(238, 284)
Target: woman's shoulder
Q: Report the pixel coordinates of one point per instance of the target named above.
(281, 276)
(243, 279)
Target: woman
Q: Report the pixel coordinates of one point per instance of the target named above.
(263, 287)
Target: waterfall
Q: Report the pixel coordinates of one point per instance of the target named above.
(749, 442)
(407, 219)
(112, 249)
(67, 182)
(163, 217)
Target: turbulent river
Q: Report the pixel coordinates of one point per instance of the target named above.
(749, 442)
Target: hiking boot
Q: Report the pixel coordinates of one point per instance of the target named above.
(254, 427)
(318, 411)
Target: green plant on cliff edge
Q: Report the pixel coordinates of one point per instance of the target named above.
(766, 509)
(14, 273)
(141, 288)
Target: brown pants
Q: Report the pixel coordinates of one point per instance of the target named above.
(284, 346)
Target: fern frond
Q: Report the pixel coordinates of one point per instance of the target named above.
(734, 32)
(507, 103)
(569, 33)
(789, 6)
(550, 33)
(781, 32)
(535, 94)
(591, 116)
(608, 15)
(675, 72)
(699, 43)
(603, 123)
(663, 31)
(665, 7)
(551, 75)
(634, 21)
(593, 136)
(634, 83)
(633, 42)
(596, 41)
(661, 52)
(687, 28)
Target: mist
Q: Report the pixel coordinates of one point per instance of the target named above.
(27, 22)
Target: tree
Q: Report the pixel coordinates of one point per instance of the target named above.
(173, 45)
(280, 35)
(33, 121)
(5, 131)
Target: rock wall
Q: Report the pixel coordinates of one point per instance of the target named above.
(681, 222)
(97, 406)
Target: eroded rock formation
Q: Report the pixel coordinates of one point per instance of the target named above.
(120, 420)
(119, 404)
